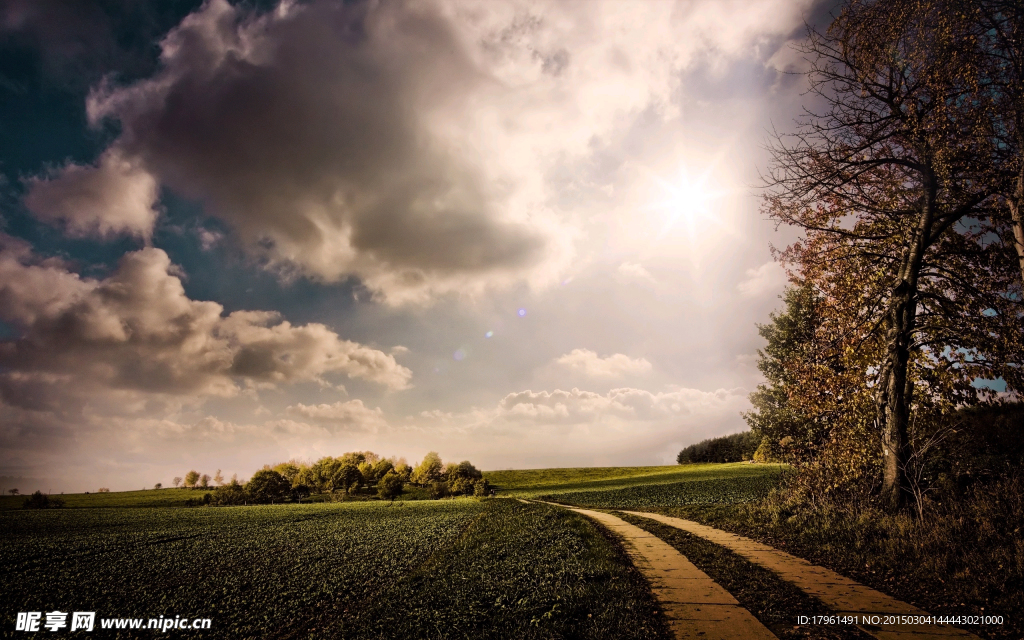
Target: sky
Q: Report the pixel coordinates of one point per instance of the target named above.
(523, 233)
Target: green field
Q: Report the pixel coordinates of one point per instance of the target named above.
(532, 483)
(466, 568)
(145, 498)
(729, 490)
(449, 568)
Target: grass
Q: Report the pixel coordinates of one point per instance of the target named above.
(250, 569)
(520, 571)
(420, 569)
(772, 600)
(144, 498)
(148, 498)
(530, 483)
(727, 490)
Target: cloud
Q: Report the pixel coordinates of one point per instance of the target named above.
(635, 271)
(322, 149)
(767, 279)
(613, 366)
(626, 403)
(579, 427)
(351, 415)
(115, 196)
(408, 144)
(137, 330)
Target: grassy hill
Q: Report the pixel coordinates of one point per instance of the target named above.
(528, 483)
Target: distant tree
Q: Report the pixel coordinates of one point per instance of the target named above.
(464, 469)
(389, 486)
(232, 493)
(366, 470)
(218, 478)
(204, 481)
(732, 448)
(176, 481)
(370, 457)
(353, 457)
(39, 500)
(103, 490)
(404, 471)
(289, 470)
(192, 479)
(382, 467)
(429, 470)
(158, 485)
(267, 485)
(300, 492)
(321, 474)
(13, 492)
(777, 410)
(347, 477)
(770, 451)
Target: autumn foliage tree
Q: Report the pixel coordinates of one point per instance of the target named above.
(894, 180)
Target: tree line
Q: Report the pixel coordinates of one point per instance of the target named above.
(905, 178)
(348, 475)
(737, 447)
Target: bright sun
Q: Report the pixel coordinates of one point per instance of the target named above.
(687, 202)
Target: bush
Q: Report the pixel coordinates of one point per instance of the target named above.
(482, 487)
(230, 494)
(439, 489)
(461, 486)
(200, 502)
(39, 500)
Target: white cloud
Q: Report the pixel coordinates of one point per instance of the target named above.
(115, 196)
(765, 280)
(635, 271)
(351, 415)
(137, 330)
(613, 366)
(618, 404)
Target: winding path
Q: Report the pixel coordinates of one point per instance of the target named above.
(696, 606)
(839, 593)
(843, 595)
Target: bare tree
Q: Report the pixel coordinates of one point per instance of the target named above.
(176, 481)
(883, 176)
(1000, 33)
(218, 478)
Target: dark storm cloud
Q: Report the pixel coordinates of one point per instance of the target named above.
(316, 132)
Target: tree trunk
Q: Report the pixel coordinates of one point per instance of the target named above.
(893, 400)
(894, 388)
(1017, 216)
